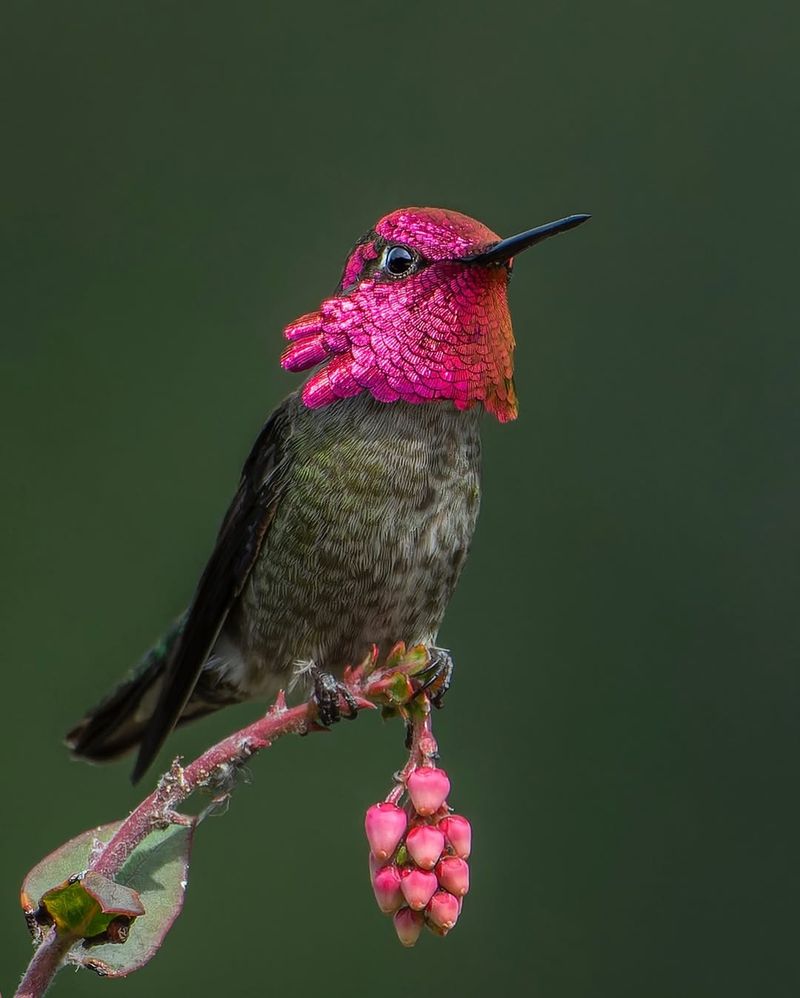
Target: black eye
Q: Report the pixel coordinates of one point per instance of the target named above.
(399, 261)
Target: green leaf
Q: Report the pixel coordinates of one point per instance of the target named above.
(395, 657)
(114, 898)
(398, 690)
(415, 660)
(60, 865)
(73, 910)
(153, 879)
(86, 905)
(157, 870)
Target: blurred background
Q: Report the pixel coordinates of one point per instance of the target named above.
(179, 181)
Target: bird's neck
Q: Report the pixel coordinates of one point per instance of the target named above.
(363, 416)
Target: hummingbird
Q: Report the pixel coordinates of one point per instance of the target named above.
(357, 503)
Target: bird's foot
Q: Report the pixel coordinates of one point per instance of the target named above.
(434, 680)
(329, 693)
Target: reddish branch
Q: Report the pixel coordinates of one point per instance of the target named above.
(45, 963)
(212, 767)
(215, 769)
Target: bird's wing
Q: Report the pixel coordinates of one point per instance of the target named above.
(240, 538)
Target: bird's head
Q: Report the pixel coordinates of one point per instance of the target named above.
(420, 314)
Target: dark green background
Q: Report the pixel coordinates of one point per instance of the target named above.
(180, 181)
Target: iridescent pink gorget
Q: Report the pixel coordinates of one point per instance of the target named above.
(442, 332)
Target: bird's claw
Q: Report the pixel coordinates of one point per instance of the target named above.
(328, 692)
(436, 677)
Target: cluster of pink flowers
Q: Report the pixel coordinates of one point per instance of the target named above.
(418, 857)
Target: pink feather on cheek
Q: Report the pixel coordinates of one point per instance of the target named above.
(441, 333)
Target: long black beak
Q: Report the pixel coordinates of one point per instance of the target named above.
(503, 251)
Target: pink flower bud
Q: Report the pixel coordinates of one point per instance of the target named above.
(384, 824)
(453, 875)
(442, 910)
(425, 844)
(458, 833)
(386, 885)
(428, 788)
(418, 887)
(408, 925)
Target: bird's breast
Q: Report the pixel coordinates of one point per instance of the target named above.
(370, 536)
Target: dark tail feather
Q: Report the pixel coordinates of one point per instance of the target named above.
(117, 723)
